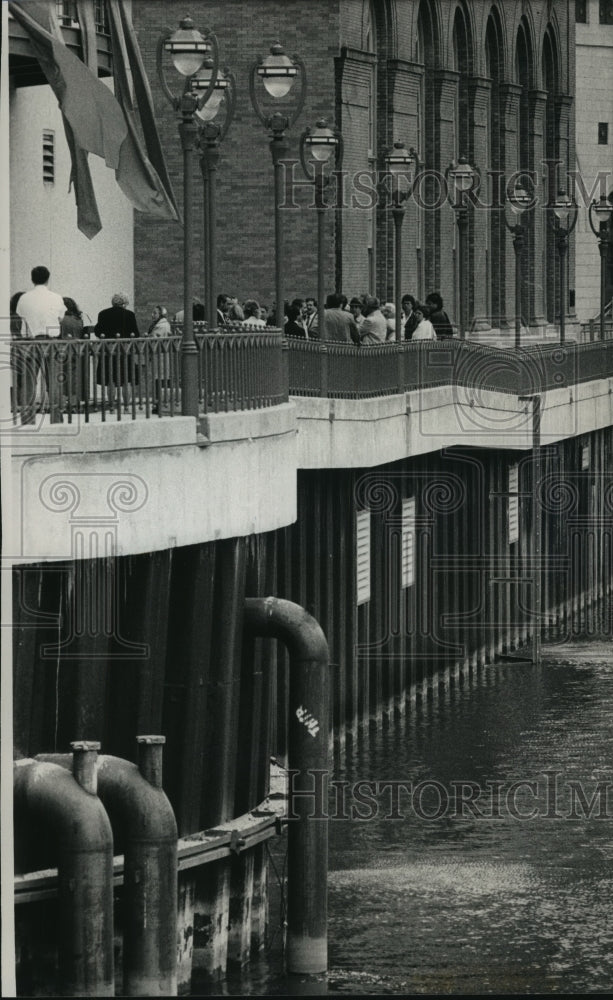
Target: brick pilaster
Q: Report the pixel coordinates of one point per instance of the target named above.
(509, 94)
(406, 86)
(480, 262)
(536, 267)
(440, 222)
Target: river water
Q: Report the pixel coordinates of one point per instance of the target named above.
(492, 870)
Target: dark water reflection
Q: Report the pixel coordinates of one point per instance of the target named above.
(472, 904)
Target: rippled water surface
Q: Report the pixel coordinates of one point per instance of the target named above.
(485, 903)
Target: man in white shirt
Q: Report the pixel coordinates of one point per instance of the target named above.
(42, 311)
(40, 308)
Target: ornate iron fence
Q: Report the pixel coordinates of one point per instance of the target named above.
(141, 377)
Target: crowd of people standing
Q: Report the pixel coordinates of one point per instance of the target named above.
(42, 314)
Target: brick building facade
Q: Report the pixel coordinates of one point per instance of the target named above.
(491, 81)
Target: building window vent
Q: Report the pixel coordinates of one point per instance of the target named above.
(585, 457)
(605, 11)
(603, 133)
(48, 157)
(513, 503)
(362, 560)
(581, 11)
(408, 542)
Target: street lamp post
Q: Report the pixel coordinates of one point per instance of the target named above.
(188, 49)
(399, 164)
(320, 143)
(463, 177)
(600, 212)
(565, 212)
(211, 134)
(519, 201)
(278, 73)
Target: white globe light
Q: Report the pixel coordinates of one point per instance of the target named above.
(462, 175)
(187, 48)
(602, 209)
(212, 106)
(277, 72)
(321, 142)
(519, 200)
(562, 206)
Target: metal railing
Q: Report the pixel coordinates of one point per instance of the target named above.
(141, 377)
(346, 371)
(241, 370)
(253, 369)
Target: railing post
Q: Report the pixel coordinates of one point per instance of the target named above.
(323, 354)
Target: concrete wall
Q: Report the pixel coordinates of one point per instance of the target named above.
(594, 104)
(145, 486)
(44, 216)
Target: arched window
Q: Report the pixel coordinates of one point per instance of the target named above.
(356, 264)
(463, 142)
(524, 77)
(497, 242)
(552, 154)
(427, 48)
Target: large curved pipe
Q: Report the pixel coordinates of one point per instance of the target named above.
(50, 799)
(144, 824)
(307, 940)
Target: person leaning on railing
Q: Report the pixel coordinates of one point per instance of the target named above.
(116, 323)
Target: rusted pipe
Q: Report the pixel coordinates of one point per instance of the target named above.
(308, 753)
(144, 826)
(48, 800)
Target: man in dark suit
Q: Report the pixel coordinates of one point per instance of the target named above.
(113, 369)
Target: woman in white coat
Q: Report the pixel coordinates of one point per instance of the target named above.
(158, 328)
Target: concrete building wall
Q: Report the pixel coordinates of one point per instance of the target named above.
(594, 105)
(43, 216)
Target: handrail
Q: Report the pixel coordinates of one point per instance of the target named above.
(240, 369)
(244, 368)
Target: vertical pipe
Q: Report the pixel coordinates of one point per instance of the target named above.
(84, 764)
(321, 288)
(212, 157)
(537, 527)
(278, 147)
(189, 352)
(562, 248)
(462, 216)
(309, 761)
(398, 214)
(206, 242)
(602, 247)
(518, 246)
(49, 801)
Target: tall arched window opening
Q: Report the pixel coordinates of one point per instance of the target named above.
(524, 77)
(496, 255)
(430, 224)
(552, 153)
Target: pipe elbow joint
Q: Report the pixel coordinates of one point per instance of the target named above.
(296, 628)
(47, 794)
